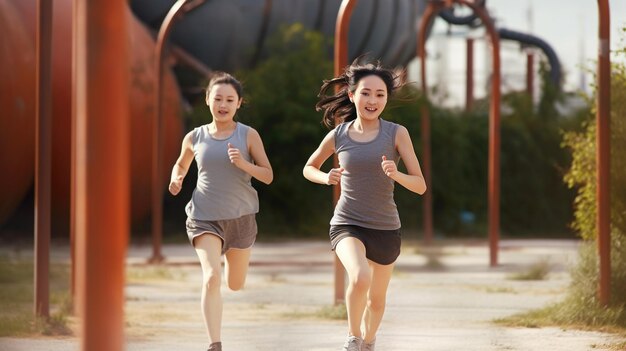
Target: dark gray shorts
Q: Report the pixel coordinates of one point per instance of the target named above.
(238, 233)
(381, 246)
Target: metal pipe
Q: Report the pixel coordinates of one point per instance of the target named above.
(603, 151)
(102, 85)
(494, 132)
(469, 81)
(530, 75)
(190, 61)
(43, 164)
(428, 16)
(176, 11)
(341, 61)
(73, 271)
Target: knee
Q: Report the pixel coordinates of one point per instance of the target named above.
(376, 303)
(360, 281)
(236, 284)
(212, 281)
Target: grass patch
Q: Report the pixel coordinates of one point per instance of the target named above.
(571, 314)
(538, 271)
(146, 273)
(334, 312)
(328, 312)
(17, 298)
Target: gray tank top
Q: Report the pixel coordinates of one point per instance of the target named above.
(223, 191)
(366, 196)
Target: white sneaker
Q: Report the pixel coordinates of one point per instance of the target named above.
(353, 343)
(368, 346)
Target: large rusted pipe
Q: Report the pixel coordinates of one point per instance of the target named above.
(603, 151)
(341, 61)
(102, 169)
(43, 164)
(175, 12)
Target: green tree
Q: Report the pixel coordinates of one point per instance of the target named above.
(282, 92)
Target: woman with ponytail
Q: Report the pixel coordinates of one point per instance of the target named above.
(221, 216)
(365, 228)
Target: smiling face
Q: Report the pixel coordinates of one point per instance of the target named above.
(369, 97)
(223, 101)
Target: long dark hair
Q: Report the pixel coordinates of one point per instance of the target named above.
(338, 106)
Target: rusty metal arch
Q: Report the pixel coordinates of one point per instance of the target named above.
(176, 12)
(494, 123)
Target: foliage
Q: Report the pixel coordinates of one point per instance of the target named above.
(582, 176)
(533, 196)
(282, 92)
(581, 307)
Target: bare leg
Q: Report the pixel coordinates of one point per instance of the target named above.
(376, 299)
(351, 252)
(209, 250)
(236, 267)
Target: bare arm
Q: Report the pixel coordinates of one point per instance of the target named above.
(179, 171)
(261, 169)
(413, 179)
(312, 170)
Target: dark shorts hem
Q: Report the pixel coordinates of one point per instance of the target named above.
(381, 246)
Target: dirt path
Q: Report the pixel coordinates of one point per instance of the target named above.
(444, 298)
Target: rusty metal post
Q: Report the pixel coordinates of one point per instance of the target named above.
(341, 61)
(427, 17)
(469, 81)
(102, 84)
(175, 12)
(530, 75)
(603, 151)
(43, 164)
(73, 280)
(494, 133)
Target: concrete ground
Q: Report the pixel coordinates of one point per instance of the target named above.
(440, 298)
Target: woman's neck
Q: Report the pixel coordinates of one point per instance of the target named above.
(220, 126)
(364, 125)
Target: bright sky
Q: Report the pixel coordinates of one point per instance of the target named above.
(569, 26)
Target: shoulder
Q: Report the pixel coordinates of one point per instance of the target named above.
(340, 128)
(196, 133)
(247, 130)
(192, 135)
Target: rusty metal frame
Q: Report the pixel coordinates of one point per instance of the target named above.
(530, 75)
(175, 13)
(469, 81)
(603, 151)
(43, 158)
(494, 123)
(341, 61)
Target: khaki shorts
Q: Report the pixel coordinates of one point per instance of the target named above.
(238, 233)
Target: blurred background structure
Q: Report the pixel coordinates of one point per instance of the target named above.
(550, 148)
(244, 37)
